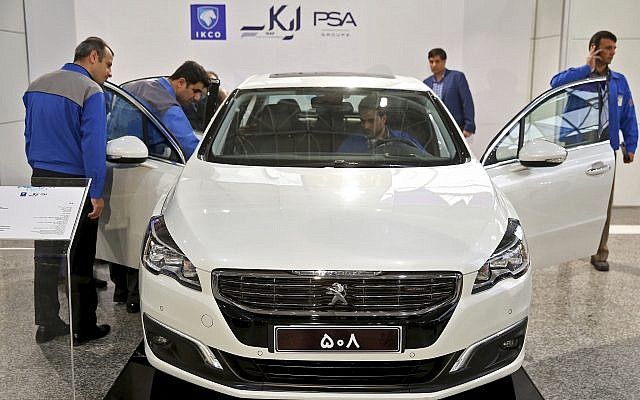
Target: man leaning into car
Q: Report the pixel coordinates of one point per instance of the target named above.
(164, 97)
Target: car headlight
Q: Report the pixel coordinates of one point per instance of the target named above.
(511, 259)
(161, 255)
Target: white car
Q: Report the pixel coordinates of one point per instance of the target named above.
(294, 255)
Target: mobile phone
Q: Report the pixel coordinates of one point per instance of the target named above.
(625, 152)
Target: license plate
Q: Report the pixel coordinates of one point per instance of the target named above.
(324, 338)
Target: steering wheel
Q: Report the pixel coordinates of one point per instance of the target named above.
(391, 140)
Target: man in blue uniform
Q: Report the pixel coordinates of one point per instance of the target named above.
(373, 119)
(165, 96)
(621, 115)
(452, 87)
(65, 137)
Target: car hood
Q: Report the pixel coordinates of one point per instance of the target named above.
(400, 219)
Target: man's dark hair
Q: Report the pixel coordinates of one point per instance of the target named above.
(90, 44)
(371, 102)
(437, 52)
(598, 36)
(192, 72)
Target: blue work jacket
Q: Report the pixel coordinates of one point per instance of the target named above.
(622, 113)
(359, 143)
(66, 125)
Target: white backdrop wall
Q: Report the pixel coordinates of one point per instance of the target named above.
(489, 40)
(13, 81)
(51, 32)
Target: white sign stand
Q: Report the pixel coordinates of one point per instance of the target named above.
(39, 213)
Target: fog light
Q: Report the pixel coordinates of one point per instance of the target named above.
(158, 340)
(180, 350)
(496, 350)
(511, 343)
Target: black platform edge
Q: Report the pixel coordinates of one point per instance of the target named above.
(138, 380)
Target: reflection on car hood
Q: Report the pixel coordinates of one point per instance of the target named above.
(438, 218)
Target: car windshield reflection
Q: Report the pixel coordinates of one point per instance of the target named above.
(333, 127)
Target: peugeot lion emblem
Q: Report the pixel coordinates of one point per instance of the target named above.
(338, 291)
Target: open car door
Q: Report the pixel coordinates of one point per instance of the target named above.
(561, 202)
(132, 189)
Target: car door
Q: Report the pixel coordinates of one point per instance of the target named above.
(132, 190)
(562, 208)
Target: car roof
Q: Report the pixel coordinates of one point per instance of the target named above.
(332, 79)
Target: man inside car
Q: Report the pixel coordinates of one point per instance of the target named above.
(373, 119)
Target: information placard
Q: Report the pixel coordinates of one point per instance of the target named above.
(39, 213)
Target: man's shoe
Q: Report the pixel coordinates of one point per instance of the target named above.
(133, 308)
(600, 265)
(98, 332)
(100, 283)
(46, 333)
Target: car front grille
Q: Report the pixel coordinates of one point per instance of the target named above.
(336, 292)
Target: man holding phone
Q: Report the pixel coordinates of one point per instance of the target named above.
(618, 113)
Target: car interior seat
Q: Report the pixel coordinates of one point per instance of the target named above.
(331, 126)
(411, 117)
(277, 125)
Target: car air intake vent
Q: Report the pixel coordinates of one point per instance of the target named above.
(336, 292)
(346, 374)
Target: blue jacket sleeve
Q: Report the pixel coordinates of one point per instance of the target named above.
(93, 128)
(27, 134)
(570, 75)
(176, 121)
(467, 104)
(628, 122)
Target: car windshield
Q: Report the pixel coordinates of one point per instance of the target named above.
(333, 127)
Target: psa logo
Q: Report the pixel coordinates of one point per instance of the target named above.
(208, 22)
(282, 25)
(333, 18)
(334, 24)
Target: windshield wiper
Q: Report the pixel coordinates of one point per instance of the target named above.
(400, 156)
(345, 163)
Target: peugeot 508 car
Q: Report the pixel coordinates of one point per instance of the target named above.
(334, 237)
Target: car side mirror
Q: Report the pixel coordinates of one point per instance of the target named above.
(127, 149)
(542, 153)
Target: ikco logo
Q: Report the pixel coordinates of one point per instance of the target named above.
(208, 22)
(283, 23)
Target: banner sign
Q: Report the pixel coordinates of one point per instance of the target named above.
(39, 213)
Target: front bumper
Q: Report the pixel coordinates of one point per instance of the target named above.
(187, 336)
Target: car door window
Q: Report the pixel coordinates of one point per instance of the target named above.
(507, 148)
(124, 118)
(569, 118)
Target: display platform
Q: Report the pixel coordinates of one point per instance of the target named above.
(140, 381)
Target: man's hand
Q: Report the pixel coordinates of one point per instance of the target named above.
(593, 57)
(98, 205)
(630, 159)
(467, 133)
